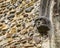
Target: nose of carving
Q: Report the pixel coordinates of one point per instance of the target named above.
(43, 25)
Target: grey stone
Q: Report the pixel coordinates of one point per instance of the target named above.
(29, 9)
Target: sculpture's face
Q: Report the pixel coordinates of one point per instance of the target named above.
(40, 21)
(42, 24)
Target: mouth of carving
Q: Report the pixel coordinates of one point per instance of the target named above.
(43, 29)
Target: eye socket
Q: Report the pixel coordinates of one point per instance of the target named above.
(38, 22)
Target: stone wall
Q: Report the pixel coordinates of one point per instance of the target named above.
(17, 27)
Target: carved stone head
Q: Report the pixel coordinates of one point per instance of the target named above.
(42, 24)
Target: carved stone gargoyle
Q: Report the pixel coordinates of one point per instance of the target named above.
(43, 25)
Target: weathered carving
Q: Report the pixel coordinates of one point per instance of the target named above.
(43, 25)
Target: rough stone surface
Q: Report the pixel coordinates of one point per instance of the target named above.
(16, 24)
(17, 28)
